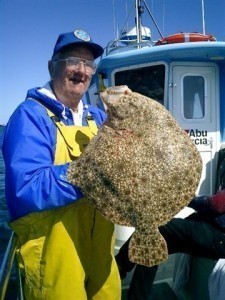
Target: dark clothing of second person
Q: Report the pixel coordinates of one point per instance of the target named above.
(200, 234)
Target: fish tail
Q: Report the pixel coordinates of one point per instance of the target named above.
(147, 250)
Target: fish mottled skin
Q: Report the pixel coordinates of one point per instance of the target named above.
(139, 170)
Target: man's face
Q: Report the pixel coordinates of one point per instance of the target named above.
(71, 78)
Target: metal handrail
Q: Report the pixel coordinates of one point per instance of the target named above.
(114, 46)
(7, 264)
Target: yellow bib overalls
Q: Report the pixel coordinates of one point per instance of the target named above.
(68, 253)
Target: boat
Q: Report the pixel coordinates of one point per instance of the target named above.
(185, 73)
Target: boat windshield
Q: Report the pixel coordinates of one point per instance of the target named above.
(148, 81)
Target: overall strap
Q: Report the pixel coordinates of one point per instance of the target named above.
(71, 140)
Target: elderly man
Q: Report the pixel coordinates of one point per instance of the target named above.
(66, 247)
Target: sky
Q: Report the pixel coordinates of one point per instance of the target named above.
(29, 30)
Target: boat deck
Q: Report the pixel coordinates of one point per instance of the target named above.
(162, 287)
(160, 291)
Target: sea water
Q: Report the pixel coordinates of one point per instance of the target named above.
(4, 216)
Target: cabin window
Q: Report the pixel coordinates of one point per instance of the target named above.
(148, 81)
(92, 97)
(194, 95)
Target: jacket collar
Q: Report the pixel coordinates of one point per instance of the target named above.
(46, 97)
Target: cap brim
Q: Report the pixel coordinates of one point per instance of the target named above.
(96, 49)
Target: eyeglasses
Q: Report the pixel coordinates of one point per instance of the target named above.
(74, 62)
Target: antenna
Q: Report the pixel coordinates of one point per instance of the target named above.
(114, 19)
(203, 17)
(139, 12)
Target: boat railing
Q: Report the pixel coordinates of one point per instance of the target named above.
(7, 267)
(120, 45)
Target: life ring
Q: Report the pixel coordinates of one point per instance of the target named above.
(185, 38)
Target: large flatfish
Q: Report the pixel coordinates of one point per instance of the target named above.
(139, 170)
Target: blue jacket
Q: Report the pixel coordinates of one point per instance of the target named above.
(32, 182)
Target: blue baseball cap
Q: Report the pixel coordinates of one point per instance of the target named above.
(78, 37)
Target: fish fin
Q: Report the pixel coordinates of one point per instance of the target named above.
(147, 249)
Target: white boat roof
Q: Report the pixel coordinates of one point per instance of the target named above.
(191, 51)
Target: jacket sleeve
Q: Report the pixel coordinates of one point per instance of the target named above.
(33, 182)
(213, 205)
(217, 202)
